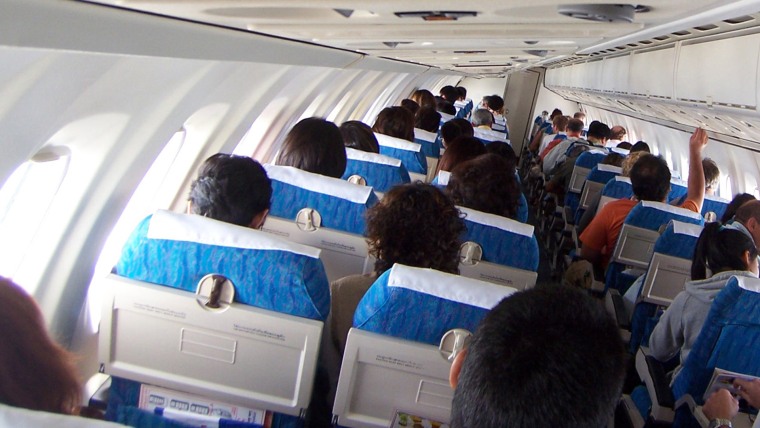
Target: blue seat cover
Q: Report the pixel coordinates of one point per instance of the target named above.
(504, 241)
(381, 172)
(409, 153)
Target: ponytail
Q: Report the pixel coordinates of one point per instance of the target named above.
(720, 249)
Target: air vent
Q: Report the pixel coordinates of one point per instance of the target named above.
(469, 52)
(345, 12)
(599, 12)
(739, 20)
(537, 52)
(394, 44)
(437, 15)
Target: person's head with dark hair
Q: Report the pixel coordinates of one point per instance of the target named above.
(598, 133)
(556, 112)
(462, 92)
(444, 106)
(358, 135)
(233, 189)
(650, 178)
(749, 216)
(449, 93)
(617, 132)
(482, 117)
(428, 119)
(395, 121)
(416, 225)
(455, 128)
(712, 175)
(625, 145)
(614, 159)
(486, 183)
(739, 200)
(314, 145)
(410, 105)
(556, 343)
(720, 249)
(495, 103)
(460, 150)
(559, 123)
(424, 98)
(574, 127)
(37, 373)
(504, 150)
(640, 146)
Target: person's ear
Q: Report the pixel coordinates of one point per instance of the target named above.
(189, 207)
(456, 368)
(746, 259)
(258, 219)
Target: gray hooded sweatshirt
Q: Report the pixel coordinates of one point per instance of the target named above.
(679, 326)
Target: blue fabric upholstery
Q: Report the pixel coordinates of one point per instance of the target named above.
(337, 213)
(502, 246)
(418, 316)
(586, 160)
(409, 153)
(675, 244)
(522, 209)
(678, 190)
(379, 176)
(429, 148)
(280, 281)
(618, 189)
(716, 205)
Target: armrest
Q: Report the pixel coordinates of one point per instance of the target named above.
(654, 375)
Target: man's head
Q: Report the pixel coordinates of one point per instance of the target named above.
(617, 132)
(231, 188)
(598, 132)
(449, 93)
(579, 115)
(545, 357)
(462, 93)
(427, 118)
(712, 175)
(560, 123)
(749, 216)
(574, 127)
(650, 178)
(482, 117)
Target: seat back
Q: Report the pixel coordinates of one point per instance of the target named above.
(678, 190)
(377, 171)
(487, 136)
(619, 188)
(442, 179)
(583, 165)
(391, 361)
(595, 181)
(410, 154)
(714, 204)
(498, 249)
(729, 339)
(323, 212)
(427, 140)
(257, 350)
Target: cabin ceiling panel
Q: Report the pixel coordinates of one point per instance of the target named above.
(500, 28)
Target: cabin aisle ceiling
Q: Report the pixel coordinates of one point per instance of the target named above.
(504, 36)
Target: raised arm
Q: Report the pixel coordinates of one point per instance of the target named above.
(696, 184)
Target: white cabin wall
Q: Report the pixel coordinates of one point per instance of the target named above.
(479, 88)
(548, 100)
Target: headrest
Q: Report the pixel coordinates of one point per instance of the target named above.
(689, 229)
(498, 222)
(716, 199)
(609, 168)
(361, 155)
(678, 183)
(397, 143)
(620, 151)
(319, 183)
(746, 283)
(485, 134)
(671, 209)
(443, 178)
(445, 117)
(425, 135)
(203, 230)
(11, 416)
(623, 179)
(423, 304)
(177, 250)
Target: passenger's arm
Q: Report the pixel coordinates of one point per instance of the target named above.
(696, 184)
(721, 405)
(667, 337)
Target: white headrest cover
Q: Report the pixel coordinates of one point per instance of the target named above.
(671, 209)
(499, 222)
(447, 286)
(609, 168)
(425, 135)
(618, 150)
(397, 143)
(203, 230)
(623, 179)
(443, 178)
(19, 417)
(361, 155)
(749, 284)
(446, 117)
(319, 183)
(717, 199)
(489, 135)
(689, 229)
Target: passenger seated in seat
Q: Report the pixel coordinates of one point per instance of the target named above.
(427, 119)
(231, 188)
(460, 150)
(36, 373)
(358, 135)
(720, 253)
(396, 122)
(410, 105)
(504, 150)
(415, 225)
(739, 200)
(712, 177)
(455, 128)
(482, 118)
(315, 145)
(722, 405)
(545, 357)
(486, 183)
(650, 178)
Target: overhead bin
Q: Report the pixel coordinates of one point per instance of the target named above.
(614, 77)
(651, 73)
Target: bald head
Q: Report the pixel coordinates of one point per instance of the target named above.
(617, 132)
